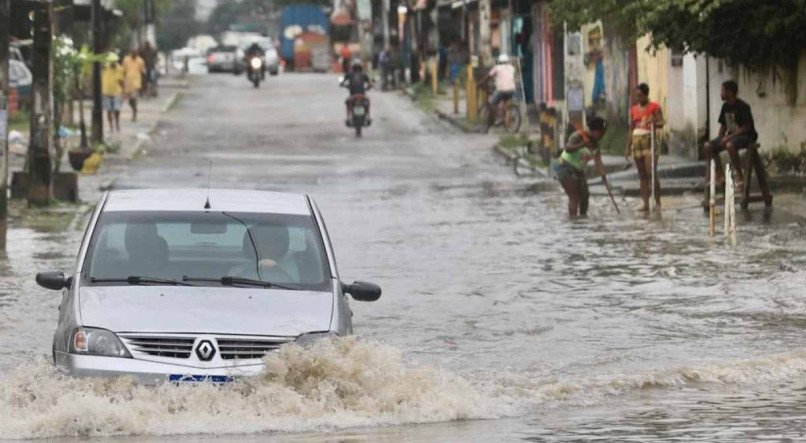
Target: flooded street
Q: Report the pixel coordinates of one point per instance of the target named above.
(500, 318)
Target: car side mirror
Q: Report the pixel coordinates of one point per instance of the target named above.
(53, 280)
(362, 291)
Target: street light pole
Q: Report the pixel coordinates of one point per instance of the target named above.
(97, 48)
(5, 11)
(39, 158)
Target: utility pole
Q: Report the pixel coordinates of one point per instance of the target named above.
(5, 11)
(485, 34)
(151, 19)
(97, 48)
(385, 23)
(39, 160)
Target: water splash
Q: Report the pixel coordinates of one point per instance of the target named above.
(346, 383)
(331, 385)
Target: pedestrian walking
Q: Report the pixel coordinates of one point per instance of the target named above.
(645, 117)
(582, 146)
(112, 90)
(149, 55)
(737, 131)
(133, 69)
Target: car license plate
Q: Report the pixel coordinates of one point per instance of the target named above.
(215, 379)
(359, 111)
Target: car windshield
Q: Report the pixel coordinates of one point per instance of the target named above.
(204, 247)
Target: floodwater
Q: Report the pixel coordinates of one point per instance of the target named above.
(500, 319)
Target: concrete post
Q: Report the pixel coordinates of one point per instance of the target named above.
(5, 11)
(97, 47)
(385, 23)
(485, 34)
(39, 158)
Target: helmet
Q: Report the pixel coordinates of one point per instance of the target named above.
(503, 58)
(356, 64)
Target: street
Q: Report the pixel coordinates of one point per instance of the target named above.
(612, 327)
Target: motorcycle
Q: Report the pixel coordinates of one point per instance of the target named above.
(255, 69)
(359, 105)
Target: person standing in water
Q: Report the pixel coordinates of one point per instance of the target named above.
(582, 146)
(643, 116)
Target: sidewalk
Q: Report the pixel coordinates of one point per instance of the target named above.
(130, 142)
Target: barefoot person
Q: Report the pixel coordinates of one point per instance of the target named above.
(581, 147)
(639, 142)
(736, 131)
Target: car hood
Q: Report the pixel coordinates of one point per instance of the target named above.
(182, 309)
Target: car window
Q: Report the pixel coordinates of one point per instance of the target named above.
(280, 248)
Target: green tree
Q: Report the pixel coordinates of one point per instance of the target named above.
(176, 24)
(754, 33)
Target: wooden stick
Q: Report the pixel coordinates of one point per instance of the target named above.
(712, 201)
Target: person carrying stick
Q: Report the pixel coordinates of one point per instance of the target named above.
(645, 117)
(582, 146)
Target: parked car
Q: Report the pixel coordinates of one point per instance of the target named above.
(20, 77)
(222, 59)
(175, 285)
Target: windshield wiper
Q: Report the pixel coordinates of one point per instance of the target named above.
(140, 280)
(230, 280)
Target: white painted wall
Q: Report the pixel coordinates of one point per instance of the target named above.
(779, 123)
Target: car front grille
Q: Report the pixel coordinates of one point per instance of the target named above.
(234, 347)
(160, 346)
(244, 348)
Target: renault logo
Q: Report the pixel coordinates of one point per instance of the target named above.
(205, 350)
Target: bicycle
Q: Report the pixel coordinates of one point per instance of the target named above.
(507, 109)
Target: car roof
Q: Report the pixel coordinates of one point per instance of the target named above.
(193, 199)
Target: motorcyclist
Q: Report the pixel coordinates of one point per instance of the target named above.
(255, 50)
(358, 82)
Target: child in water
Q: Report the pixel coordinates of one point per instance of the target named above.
(581, 147)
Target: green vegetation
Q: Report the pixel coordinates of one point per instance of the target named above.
(423, 96)
(513, 141)
(20, 121)
(54, 218)
(755, 33)
(615, 139)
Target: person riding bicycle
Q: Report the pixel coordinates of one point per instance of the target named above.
(504, 75)
(357, 82)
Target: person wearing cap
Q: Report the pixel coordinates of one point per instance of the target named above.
(582, 146)
(112, 90)
(504, 76)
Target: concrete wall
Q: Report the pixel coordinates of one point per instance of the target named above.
(780, 114)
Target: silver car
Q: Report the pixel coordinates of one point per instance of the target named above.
(193, 285)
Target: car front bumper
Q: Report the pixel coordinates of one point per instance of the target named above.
(148, 372)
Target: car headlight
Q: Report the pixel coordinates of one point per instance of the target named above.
(309, 339)
(93, 341)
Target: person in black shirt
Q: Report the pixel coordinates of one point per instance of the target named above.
(736, 131)
(357, 82)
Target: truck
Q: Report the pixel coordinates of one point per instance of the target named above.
(301, 20)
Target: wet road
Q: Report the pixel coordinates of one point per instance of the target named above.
(614, 327)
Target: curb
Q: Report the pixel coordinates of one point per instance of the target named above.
(511, 157)
(139, 146)
(465, 127)
(444, 115)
